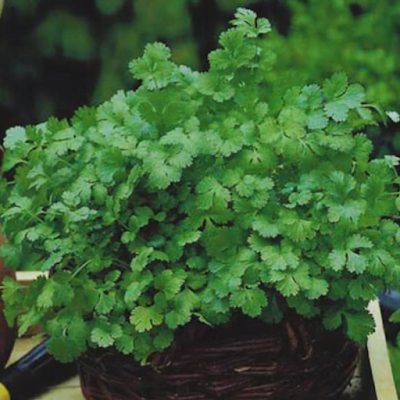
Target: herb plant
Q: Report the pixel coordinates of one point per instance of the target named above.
(195, 196)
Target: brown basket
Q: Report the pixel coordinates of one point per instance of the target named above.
(247, 361)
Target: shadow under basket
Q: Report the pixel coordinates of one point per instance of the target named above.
(247, 360)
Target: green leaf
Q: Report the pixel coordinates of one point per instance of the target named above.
(362, 289)
(251, 301)
(102, 336)
(333, 319)
(350, 211)
(359, 326)
(246, 20)
(133, 292)
(154, 68)
(106, 303)
(288, 286)
(14, 137)
(265, 227)
(220, 240)
(318, 288)
(338, 109)
(356, 262)
(25, 321)
(279, 259)
(176, 318)
(140, 261)
(335, 86)
(212, 193)
(125, 344)
(317, 120)
(337, 259)
(145, 318)
(299, 230)
(358, 241)
(63, 348)
(163, 339)
(169, 282)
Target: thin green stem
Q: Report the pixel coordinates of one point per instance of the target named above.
(79, 269)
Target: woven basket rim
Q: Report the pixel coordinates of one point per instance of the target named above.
(286, 363)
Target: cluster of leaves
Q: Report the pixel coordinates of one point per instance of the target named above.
(92, 41)
(196, 196)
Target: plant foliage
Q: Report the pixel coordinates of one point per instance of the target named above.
(89, 44)
(196, 196)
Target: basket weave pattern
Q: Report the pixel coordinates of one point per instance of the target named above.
(254, 363)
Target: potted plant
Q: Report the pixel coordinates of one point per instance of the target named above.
(221, 215)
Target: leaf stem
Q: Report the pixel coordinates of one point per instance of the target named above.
(79, 269)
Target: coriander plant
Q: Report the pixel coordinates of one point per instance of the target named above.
(196, 196)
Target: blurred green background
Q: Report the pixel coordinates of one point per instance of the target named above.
(56, 56)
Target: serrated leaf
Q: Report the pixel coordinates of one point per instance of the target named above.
(102, 337)
(125, 344)
(144, 318)
(335, 86)
(279, 259)
(211, 192)
(154, 68)
(359, 326)
(288, 286)
(317, 120)
(337, 259)
(133, 292)
(30, 318)
(45, 298)
(351, 211)
(169, 283)
(14, 136)
(362, 289)
(359, 242)
(176, 318)
(251, 301)
(300, 230)
(265, 227)
(332, 319)
(140, 261)
(106, 303)
(356, 262)
(63, 349)
(338, 109)
(163, 339)
(318, 288)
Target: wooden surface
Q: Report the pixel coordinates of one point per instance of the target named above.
(379, 358)
(69, 390)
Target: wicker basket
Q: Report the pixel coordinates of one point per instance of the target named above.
(248, 360)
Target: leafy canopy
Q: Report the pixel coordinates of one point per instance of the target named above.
(197, 195)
